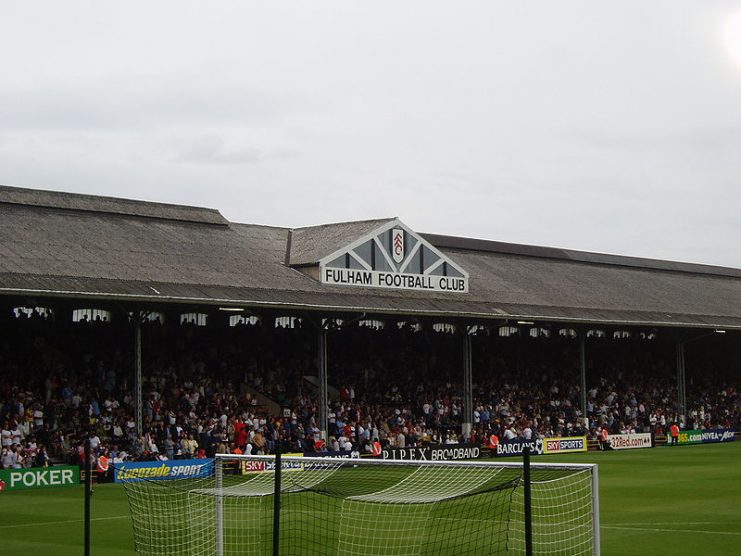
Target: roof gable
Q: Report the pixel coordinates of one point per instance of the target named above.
(310, 244)
(393, 256)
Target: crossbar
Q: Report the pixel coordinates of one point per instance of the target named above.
(378, 461)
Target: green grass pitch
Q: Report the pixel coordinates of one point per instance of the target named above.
(677, 501)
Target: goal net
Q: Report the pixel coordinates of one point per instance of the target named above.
(330, 506)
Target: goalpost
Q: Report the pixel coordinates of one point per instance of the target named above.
(292, 505)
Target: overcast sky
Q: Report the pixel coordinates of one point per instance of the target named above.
(612, 127)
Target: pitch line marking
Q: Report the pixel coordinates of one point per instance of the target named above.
(61, 522)
(655, 530)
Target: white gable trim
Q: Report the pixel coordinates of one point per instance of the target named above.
(386, 256)
(435, 266)
(359, 260)
(398, 277)
(360, 241)
(395, 223)
(413, 252)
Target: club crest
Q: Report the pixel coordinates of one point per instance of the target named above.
(397, 244)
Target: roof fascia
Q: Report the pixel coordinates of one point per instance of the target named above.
(216, 302)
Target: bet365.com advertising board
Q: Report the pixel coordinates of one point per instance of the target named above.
(39, 477)
(690, 437)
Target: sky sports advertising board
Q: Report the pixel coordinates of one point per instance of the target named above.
(250, 466)
(565, 445)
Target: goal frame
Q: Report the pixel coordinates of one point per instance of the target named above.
(279, 460)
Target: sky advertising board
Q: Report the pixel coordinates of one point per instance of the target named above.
(565, 445)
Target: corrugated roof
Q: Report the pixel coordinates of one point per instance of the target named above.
(108, 205)
(40, 241)
(488, 246)
(48, 251)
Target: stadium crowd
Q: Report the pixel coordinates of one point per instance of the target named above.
(243, 389)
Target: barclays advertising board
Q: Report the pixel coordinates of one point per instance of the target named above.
(515, 447)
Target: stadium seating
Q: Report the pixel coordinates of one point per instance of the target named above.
(399, 387)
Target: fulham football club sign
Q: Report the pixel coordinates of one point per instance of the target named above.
(393, 257)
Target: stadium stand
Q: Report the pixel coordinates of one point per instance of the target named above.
(63, 380)
(241, 323)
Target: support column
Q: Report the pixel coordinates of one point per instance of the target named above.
(138, 373)
(322, 374)
(681, 383)
(467, 383)
(583, 374)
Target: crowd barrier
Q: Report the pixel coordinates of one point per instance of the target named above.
(540, 446)
(68, 475)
